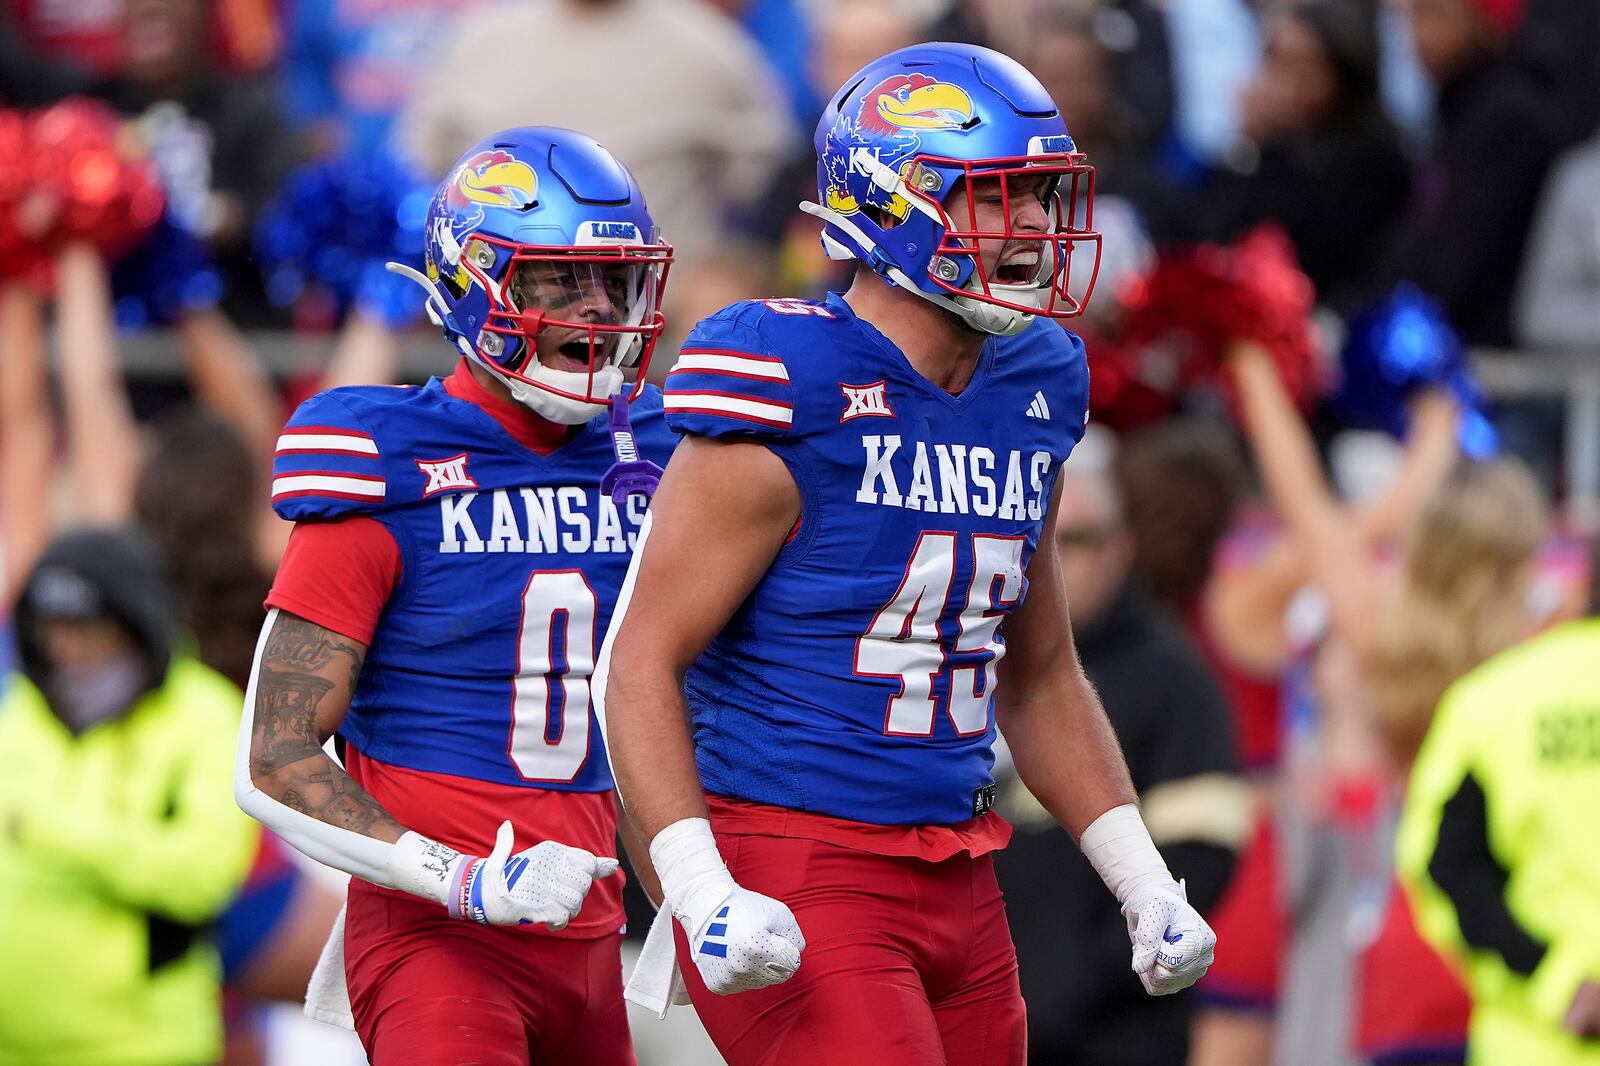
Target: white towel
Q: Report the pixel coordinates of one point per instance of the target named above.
(327, 996)
(656, 983)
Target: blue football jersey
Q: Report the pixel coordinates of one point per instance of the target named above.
(511, 563)
(857, 680)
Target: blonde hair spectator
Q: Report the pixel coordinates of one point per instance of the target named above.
(1466, 572)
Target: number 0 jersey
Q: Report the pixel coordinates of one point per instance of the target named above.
(473, 703)
(857, 680)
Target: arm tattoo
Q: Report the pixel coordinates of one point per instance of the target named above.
(303, 665)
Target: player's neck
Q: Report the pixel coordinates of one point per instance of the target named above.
(531, 429)
(936, 343)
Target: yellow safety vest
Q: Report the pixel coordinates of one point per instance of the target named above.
(1526, 726)
(116, 848)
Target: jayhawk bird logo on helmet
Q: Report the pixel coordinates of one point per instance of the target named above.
(914, 102)
(497, 178)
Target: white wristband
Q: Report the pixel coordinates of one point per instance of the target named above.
(424, 867)
(1119, 847)
(694, 879)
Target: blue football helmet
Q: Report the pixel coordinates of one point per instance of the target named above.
(544, 266)
(908, 130)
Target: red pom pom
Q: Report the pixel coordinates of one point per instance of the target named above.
(26, 212)
(103, 191)
(1198, 300)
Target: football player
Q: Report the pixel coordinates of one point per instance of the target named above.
(457, 553)
(839, 590)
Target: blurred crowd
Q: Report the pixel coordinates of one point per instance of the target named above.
(1298, 526)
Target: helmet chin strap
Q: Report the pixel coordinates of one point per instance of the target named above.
(1000, 321)
(605, 383)
(980, 315)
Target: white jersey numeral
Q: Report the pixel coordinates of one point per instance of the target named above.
(791, 306)
(904, 639)
(550, 694)
(996, 584)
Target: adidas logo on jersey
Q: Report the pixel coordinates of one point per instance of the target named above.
(1039, 408)
(953, 478)
(865, 401)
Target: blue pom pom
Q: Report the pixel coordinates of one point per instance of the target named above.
(167, 275)
(336, 223)
(1403, 343)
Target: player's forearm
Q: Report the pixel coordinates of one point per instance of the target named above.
(652, 752)
(319, 787)
(1431, 452)
(289, 784)
(102, 443)
(1065, 750)
(27, 432)
(282, 776)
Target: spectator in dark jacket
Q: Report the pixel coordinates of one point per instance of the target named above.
(1084, 1004)
(1474, 198)
(1319, 155)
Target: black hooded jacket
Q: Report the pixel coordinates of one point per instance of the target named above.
(93, 573)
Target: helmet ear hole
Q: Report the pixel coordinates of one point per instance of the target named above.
(886, 220)
(449, 280)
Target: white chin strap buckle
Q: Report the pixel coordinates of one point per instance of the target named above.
(1001, 321)
(604, 384)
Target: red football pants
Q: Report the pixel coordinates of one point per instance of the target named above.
(429, 989)
(907, 962)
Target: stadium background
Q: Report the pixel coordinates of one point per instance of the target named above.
(1322, 221)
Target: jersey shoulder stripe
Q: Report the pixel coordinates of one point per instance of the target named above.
(732, 363)
(713, 403)
(335, 439)
(729, 380)
(326, 483)
(327, 462)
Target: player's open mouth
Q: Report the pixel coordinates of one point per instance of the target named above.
(571, 355)
(1018, 268)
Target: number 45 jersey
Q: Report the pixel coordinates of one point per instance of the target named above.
(857, 680)
(501, 569)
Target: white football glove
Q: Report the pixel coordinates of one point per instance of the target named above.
(739, 940)
(543, 884)
(1172, 945)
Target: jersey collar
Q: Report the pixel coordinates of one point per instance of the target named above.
(538, 435)
(840, 306)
